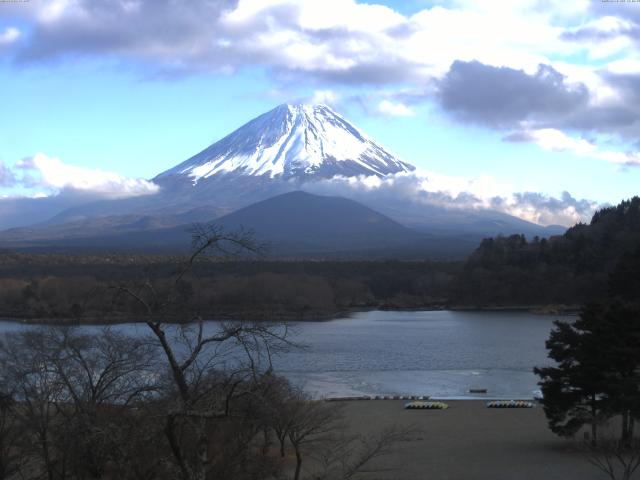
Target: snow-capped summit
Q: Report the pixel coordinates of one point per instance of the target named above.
(292, 141)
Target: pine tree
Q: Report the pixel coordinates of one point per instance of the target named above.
(573, 391)
(597, 375)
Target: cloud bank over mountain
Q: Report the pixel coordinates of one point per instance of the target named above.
(483, 193)
(50, 176)
(523, 58)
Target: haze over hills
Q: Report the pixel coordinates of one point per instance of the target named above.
(292, 147)
(295, 224)
(302, 224)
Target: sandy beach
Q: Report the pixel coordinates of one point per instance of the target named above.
(469, 441)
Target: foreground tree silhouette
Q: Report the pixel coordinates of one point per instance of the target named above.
(598, 370)
(74, 399)
(617, 459)
(11, 457)
(572, 391)
(202, 390)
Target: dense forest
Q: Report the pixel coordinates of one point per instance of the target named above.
(81, 288)
(512, 271)
(572, 268)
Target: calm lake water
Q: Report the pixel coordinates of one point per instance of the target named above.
(439, 353)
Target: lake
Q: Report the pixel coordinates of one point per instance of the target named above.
(439, 353)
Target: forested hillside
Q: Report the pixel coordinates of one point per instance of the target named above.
(80, 288)
(503, 272)
(571, 268)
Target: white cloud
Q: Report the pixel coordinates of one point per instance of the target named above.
(625, 66)
(394, 109)
(9, 36)
(324, 97)
(423, 188)
(545, 209)
(554, 140)
(627, 159)
(50, 173)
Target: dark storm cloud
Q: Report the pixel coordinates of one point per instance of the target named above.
(605, 119)
(171, 37)
(627, 85)
(594, 34)
(627, 14)
(590, 34)
(509, 99)
(168, 30)
(621, 116)
(501, 96)
(519, 137)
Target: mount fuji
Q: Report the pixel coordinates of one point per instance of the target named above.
(287, 149)
(291, 141)
(278, 152)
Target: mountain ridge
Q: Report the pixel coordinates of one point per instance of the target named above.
(291, 141)
(294, 224)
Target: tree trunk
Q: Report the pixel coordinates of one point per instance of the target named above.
(178, 374)
(267, 443)
(594, 419)
(298, 463)
(201, 470)
(282, 440)
(46, 457)
(169, 431)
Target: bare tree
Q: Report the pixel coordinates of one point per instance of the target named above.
(73, 391)
(11, 457)
(617, 458)
(349, 456)
(103, 376)
(33, 383)
(318, 429)
(196, 357)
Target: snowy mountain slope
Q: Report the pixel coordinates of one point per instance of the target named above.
(291, 141)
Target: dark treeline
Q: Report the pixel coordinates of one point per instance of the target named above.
(78, 288)
(503, 272)
(572, 268)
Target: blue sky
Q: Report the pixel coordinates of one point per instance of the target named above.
(537, 96)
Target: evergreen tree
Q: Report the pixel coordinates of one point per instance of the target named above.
(574, 390)
(618, 331)
(597, 375)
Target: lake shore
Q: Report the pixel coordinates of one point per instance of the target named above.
(293, 316)
(470, 442)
